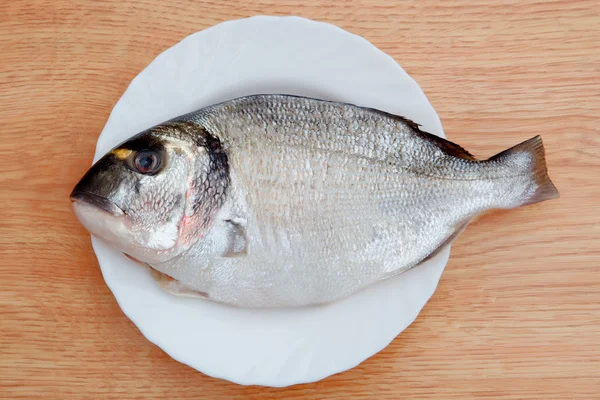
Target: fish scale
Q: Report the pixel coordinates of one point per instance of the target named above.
(292, 201)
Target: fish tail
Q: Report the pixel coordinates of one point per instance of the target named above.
(529, 157)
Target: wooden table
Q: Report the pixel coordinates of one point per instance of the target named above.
(516, 314)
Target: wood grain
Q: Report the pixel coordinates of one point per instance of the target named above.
(517, 312)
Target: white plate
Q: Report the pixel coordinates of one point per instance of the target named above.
(267, 347)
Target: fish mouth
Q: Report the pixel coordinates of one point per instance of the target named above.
(96, 201)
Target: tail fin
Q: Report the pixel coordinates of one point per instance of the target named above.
(544, 189)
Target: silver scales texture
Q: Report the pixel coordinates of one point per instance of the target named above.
(333, 198)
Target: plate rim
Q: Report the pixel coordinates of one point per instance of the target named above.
(213, 372)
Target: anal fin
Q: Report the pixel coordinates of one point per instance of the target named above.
(460, 227)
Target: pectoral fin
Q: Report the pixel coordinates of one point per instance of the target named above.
(237, 241)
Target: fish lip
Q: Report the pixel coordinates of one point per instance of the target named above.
(96, 201)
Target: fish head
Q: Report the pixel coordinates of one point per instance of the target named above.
(153, 196)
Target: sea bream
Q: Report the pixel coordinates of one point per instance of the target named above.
(276, 200)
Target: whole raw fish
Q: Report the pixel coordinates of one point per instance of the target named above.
(275, 200)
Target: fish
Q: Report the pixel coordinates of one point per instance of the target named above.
(276, 201)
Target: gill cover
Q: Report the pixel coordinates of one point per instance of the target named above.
(155, 195)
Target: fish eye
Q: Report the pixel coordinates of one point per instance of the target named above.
(147, 161)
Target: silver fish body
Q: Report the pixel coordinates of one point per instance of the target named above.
(290, 201)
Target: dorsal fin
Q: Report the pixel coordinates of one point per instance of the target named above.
(446, 146)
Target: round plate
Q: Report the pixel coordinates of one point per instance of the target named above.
(271, 347)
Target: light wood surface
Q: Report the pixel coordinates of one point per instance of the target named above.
(516, 314)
